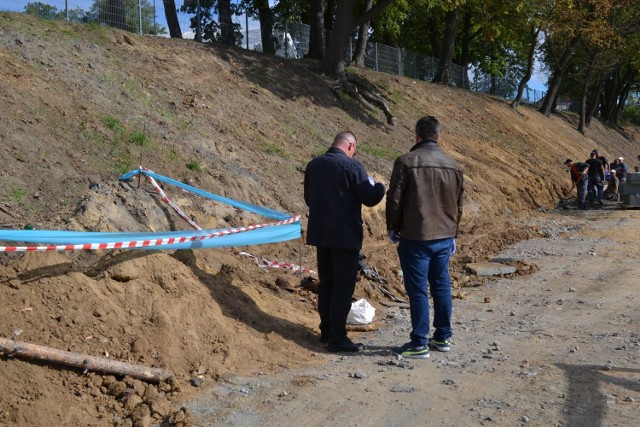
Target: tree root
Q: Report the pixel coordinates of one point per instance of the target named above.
(365, 93)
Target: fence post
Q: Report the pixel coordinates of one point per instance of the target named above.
(139, 16)
(66, 10)
(246, 27)
(154, 18)
(375, 46)
(286, 45)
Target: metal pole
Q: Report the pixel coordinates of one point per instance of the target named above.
(66, 10)
(246, 26)
(286, 41)
(376, 50)
(154, 17)
(139, 16)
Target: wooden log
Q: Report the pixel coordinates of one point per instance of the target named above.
(25, 350)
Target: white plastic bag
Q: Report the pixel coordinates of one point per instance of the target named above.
(361, 312)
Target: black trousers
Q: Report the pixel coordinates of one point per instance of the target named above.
(337, 271)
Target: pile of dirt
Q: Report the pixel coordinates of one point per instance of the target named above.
(79, 103)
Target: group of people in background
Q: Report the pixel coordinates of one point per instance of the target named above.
(589, 178)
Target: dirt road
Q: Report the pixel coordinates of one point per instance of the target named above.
(557, 347)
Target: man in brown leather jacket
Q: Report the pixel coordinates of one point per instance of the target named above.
(424, 207)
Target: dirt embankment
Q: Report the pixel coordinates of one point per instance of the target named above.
(78, 103)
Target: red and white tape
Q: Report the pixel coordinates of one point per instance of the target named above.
(144, 243)
(284, 265)
(170, 203)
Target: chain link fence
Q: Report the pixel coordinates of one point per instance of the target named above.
(290, 40)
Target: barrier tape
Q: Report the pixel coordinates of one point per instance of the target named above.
(166, 199)
(285, 265)
(144, 243)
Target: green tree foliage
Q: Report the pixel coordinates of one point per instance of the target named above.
(43, 10)
(211, 30)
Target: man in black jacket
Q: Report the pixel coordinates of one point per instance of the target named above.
(335, 188)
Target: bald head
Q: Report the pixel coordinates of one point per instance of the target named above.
(346, 141)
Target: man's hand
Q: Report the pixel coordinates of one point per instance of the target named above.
(394, 237)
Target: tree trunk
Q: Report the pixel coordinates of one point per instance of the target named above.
(585, 93)
(329, 22)
(622, 99)
(116, 14)
(226, 24)
(316, 33)
(345, 23)
(434, 37)
(265, 15)
(466, 38)
(594, 103)
(443, 75)
(171, 14)
(556, 78)
(533, 32)
(333, 62)
(363, 37)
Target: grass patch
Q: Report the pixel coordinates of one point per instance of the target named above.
(112, 123)
(138, 138)
(387, 153)
(194, 166)
(17, 195)
(272, 148)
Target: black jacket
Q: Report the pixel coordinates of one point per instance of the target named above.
(335, 188)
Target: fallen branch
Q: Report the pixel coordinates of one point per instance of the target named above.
(25, 350)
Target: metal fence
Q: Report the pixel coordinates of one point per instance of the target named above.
(291, 40)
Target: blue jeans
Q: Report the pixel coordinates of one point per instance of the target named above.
(425, 264)
(595, 187)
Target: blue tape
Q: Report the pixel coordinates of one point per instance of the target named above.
(268, 234)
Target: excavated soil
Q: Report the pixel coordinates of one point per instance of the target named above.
(76, 103)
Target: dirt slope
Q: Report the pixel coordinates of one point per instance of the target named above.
(76, 102)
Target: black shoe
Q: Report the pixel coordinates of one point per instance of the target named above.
(346, 346)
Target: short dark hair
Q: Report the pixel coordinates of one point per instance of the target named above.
(428, 128)
(344, 136)
(568, 161)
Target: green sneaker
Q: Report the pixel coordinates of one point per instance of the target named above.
(444, 345)
(409, 351)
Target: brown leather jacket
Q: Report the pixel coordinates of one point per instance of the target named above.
(424, 201)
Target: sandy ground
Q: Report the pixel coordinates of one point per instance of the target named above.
(559, 347)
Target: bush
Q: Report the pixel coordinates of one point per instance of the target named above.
(631, 115)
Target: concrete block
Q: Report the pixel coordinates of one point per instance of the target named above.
(631, 200)
(627, 188)
(633, 177)
(489, 269)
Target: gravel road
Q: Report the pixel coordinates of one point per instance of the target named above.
(559, 347)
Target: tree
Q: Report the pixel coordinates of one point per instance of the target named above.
(43, 10)
(171, 14)
(443, 73)
(360, 52)
(212, 30)
(316, 34)
(344, 25)
(226, 22)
